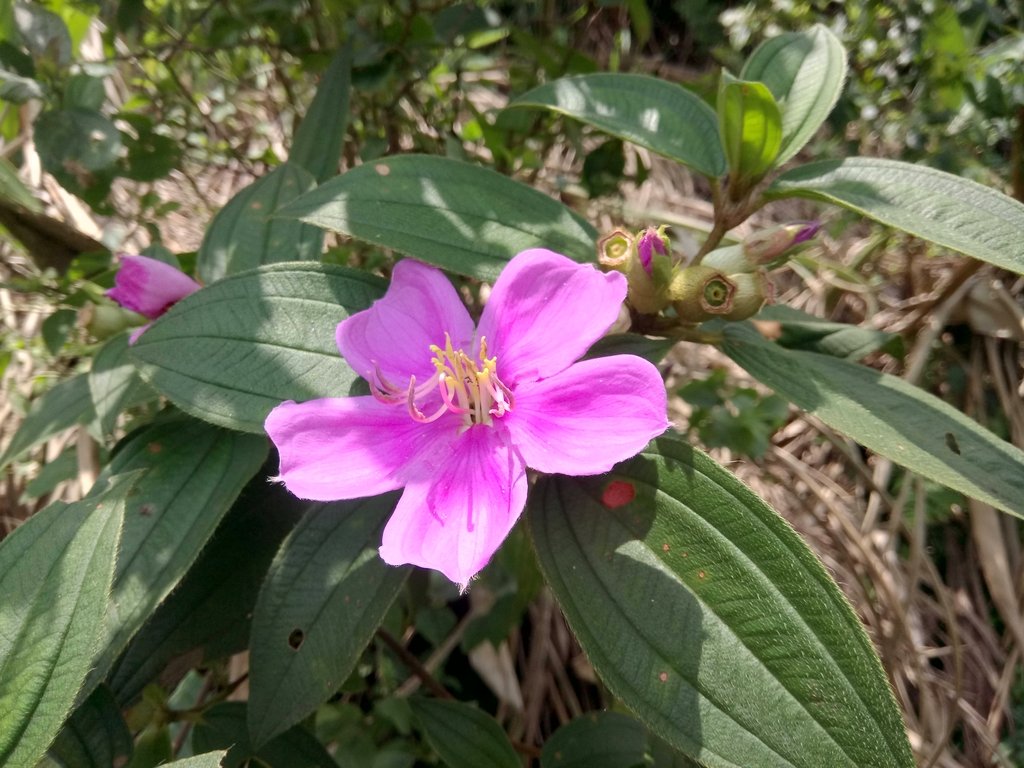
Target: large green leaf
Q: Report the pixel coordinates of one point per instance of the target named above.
(661, 116)
(208, 616)
(805, 71)
(319, 137)
(114, 383)
(235, 349)
(709, 617)
(324, 596)
(95, 736)
(751, 127)
(931, 204)
(464, 736)
(890, 417)
(60, 408)
(55, 574)
(245, 233)
(223, 727)
(192, 473)
(459, 216)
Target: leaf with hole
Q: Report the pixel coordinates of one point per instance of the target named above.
(460, 217)
(706, 614)
(933, 205)
(326, 593)
(660, 116)
(888, 416)
(230, 352)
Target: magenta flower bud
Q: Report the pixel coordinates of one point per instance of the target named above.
(649, 242)
(149, 287)
(772, 244)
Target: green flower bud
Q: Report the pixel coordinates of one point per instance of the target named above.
(750, 294)
(615, 250)
(700, 293)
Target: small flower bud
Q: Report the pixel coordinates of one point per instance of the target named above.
(769, 245)
(615, 250)
(649, 242)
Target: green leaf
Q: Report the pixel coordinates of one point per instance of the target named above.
(888, 416)
(709, 617)
(95, 736)
(223, 727)
(208, 616)
(245, 233)
(52, 473)
(326, 593)
(805, 72)
(661, 116)
(597, 740)
(13, 189)
(319, 137)
(461, 217)
(462, 735)
(933, 205)
(76, 141)
(235, 349)
(56, 328)
(751, 127)
(191, 475)
(207, 760)
(55, 574)
(653, 350)
(60, 408)
(114, 383)
(800, 330)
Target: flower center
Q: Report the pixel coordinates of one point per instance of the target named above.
(468, 387)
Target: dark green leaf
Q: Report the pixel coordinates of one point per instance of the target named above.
(709, 617)
(461, 217)
(930, 204)
(114, 383)
(890, 417)
(245, 233)
(653, 350)
(43, 32)
(661, 116)
(56, 329)
(207, 760)
(464, 736)
(799, 330)
(597, 740)
(191, 474)
(67, 404)
(76, 141)
(318, 140)
(95, 736)
(52, 473)
(223, 727)
(235, 349)
(55, 575)
(207, 617)
(325, 594)
(805, 71)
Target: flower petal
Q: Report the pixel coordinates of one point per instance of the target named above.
(148, 286)
(350, 447)
(454, 519)
(419, 307)
(545, 311)
(134, 335)
(589, 417)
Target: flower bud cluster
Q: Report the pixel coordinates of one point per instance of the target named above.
(730, 282)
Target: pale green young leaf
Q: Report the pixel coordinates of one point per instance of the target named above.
(805, 71)
(751, 127)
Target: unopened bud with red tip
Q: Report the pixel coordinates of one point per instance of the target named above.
(771, 245)
(649, 243)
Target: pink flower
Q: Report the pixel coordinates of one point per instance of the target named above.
(149, 287)
(458, 414)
